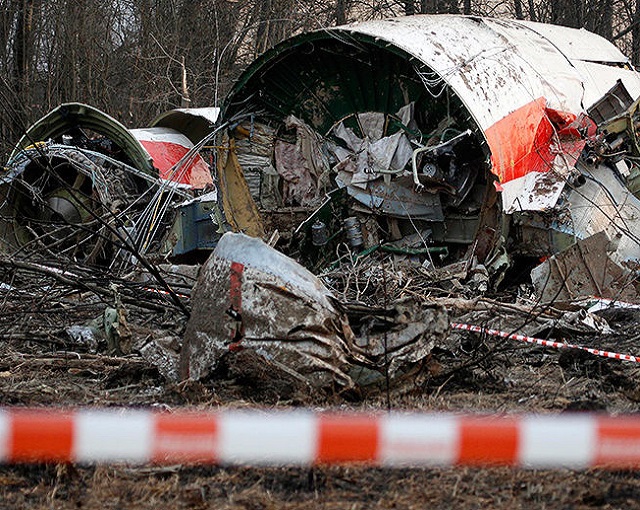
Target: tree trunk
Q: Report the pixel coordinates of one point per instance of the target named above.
(341, 12)
(532, 11)
(449, 6)
(428, 6)
(517, 6)
(568, 13)
(409, 8)
(22, 54)
(605, 17)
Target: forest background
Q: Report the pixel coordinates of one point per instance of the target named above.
(133, 58)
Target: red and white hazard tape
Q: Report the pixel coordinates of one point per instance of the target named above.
(305, 438)
(545, 343)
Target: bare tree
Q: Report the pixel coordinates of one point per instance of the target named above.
(532, 11)
(341, 12)
(130, 57)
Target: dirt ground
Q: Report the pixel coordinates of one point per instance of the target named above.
(471, 373)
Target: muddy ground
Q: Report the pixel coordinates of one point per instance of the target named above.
(40, 365)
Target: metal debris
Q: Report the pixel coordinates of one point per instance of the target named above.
(584, 269)
(250, 296)
(487, 155)
(93, 191)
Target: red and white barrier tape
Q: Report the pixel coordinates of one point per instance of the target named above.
(305, 438)
(545, 343)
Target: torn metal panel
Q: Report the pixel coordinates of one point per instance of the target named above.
(614, 102)
(536, 138)
(488, 69)
(536, 191)
(584, 269)
(603, 79)
(162, 354)
(603, 203)
(174, 156)
(598, 63)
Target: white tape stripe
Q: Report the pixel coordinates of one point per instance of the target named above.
(545, 343)
(425, 440)
(113, 436)
(260, 438)
(5, 425)
(554, 441)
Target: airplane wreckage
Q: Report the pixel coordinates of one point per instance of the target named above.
(440, 138)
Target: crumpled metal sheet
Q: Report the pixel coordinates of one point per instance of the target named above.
(584, 269)
(408, 334)
(603, 203)
(250, 296)
(374, 153)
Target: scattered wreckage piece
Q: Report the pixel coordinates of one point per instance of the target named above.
(584, 269)
(251, 296)
(81, 185)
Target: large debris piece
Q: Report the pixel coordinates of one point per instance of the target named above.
(584, 269)
(93, 191)
(478, 140)
(250, 296)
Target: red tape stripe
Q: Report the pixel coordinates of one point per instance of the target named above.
(235, 286)
(37, 435)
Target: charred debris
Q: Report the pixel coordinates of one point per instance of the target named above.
(399, 173)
